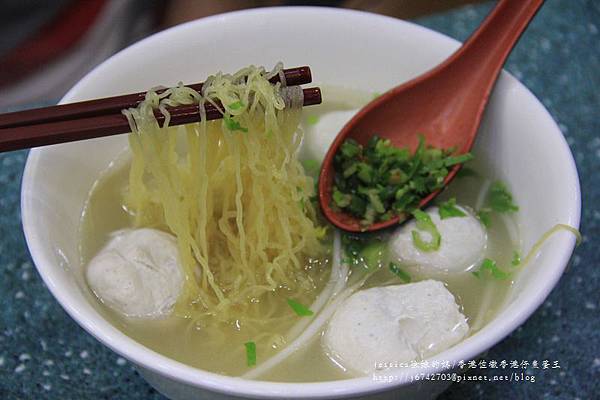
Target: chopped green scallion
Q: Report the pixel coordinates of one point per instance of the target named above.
(311, 166)
(377, 181)
(363, 251)
(321, 232)
(400, 273)
(250, 353)
(233, 125)
(485, 216)
(340, 199)
(424, 223)
(449, 210)
(516, 259)
(372, 255)
(453, 160)
(300, 309)
(350, 149)
(490, 265)
(236, 105)
(500, 199)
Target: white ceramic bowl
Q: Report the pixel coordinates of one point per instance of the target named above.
(518, 139)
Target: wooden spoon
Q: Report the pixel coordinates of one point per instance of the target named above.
(445, 105)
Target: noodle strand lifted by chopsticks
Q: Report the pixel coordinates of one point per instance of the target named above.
(231, 191)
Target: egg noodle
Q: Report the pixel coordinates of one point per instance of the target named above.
(231, 190)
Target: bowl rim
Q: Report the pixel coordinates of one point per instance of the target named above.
(164, 366)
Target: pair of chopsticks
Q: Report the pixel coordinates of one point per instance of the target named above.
(102, 117)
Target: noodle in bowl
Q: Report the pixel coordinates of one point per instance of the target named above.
(356, 56)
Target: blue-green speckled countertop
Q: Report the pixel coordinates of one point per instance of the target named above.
(45, 355)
